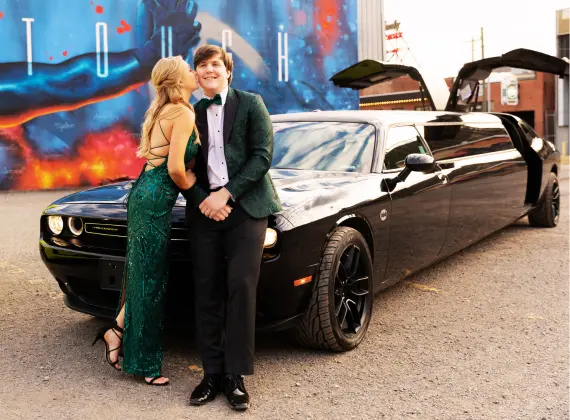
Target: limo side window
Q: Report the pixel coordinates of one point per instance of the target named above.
(457, 140)
(400, 142)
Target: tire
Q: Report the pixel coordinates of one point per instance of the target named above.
(340, 308)
(547, 213)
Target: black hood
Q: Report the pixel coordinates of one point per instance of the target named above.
(306, 195)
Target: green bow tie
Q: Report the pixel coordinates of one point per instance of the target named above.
(204, 104)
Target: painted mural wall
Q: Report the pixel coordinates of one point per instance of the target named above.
(74, 73)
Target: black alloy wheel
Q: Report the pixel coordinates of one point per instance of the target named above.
(547, 212)
(340, 308)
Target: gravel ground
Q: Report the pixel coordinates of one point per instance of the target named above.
(481, 335)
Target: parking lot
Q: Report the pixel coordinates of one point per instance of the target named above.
(481, 335)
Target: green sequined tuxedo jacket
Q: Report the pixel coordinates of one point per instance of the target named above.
(248, 149)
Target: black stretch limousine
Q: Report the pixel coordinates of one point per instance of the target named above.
(369, 197)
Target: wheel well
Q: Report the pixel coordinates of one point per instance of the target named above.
(362, 226)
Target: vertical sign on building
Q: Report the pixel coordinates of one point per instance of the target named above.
(510, 90)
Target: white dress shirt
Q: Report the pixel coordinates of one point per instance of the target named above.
(217, 170)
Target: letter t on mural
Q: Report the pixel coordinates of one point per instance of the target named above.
(98, 27)
(29, 43)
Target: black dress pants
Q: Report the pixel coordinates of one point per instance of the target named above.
(226, 263)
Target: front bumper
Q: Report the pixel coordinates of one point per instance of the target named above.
(79, 275)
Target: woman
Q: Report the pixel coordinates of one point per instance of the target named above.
(169, 141)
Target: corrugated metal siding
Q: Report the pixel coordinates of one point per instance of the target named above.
(563, 22)
(371, 29)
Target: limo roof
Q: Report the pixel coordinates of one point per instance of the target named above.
(386, 118)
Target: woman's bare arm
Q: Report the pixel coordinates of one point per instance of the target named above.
(182, 126)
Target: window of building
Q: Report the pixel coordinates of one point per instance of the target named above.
(563, 46)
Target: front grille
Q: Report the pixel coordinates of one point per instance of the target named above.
(99, 237)
(106, 229)
(110, 238)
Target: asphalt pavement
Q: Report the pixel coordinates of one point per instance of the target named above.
(480, 335)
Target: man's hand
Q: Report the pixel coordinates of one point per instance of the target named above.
(222, 214)
(215, 202)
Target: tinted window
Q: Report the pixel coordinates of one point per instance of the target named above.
(323, 146)
(528, 131)
(454, 141)
(401, 142)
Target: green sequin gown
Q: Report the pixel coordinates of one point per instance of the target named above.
(149, 209)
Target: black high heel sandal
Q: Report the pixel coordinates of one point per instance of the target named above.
(101, 336)
(153, 383)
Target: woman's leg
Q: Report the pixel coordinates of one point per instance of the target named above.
(121, 323)
(121, 317)
(114, 337)
(142, 313)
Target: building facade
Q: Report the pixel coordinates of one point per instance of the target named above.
(535, 104)
(562, 97)
(370, 30)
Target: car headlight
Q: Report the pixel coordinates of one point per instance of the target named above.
(270, 238)
(75, 225)
(55, 224)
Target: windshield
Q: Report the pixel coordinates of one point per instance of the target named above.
(323, 146)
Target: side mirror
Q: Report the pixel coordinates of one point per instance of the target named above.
(414, 162)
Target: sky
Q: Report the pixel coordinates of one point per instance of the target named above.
(438, 32)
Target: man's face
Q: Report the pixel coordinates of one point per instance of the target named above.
(212, 75)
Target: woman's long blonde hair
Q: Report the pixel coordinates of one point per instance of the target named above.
(165, 77)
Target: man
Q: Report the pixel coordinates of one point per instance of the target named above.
(227, 214)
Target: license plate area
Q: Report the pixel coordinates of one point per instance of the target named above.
(111, 274)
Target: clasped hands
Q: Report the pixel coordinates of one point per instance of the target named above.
(216, 205)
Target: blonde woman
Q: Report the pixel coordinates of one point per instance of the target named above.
(169, 141)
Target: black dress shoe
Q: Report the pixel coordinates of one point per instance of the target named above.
(206, 390)
(234, 389)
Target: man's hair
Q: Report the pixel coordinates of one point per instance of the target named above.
(208, 51)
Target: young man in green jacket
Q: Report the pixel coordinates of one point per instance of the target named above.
(227, 212)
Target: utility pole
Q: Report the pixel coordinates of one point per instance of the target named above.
(482, 44)
(484, 105)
